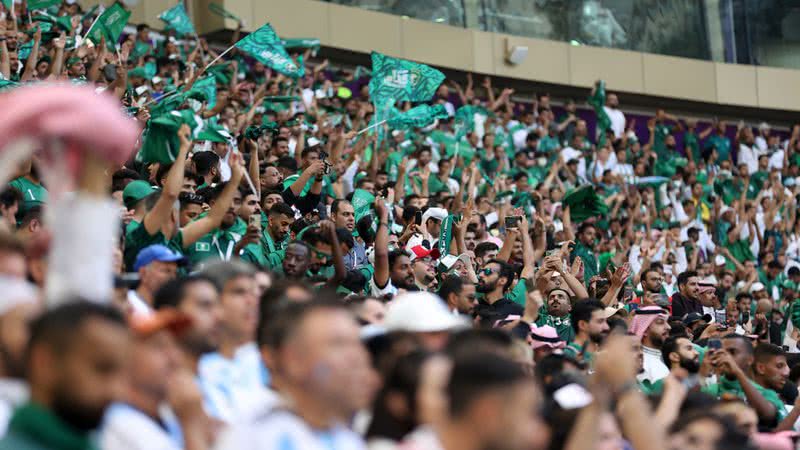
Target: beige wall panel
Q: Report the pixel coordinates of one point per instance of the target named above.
(292, 18)
(244, 9)
(547, 60)
(622, 70)
(204, 20)
(680, 77)
(778, 88)
(374, 31)
(483, 52)
(433, 43)
(736, 84)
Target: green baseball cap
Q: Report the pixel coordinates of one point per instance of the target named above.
(135, 191)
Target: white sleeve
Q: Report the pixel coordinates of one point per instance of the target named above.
(82, 249)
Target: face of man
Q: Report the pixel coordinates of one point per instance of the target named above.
(345, 216)
(686, 356)
(230, 216)
(189, 185)
(77, 70)
(516, 423)
(279, 226)
(702, 434)
(271, 199)
(612, 101)
(588, 236)
(639, 352)
(658, 331)
(690, 288)
(240, 308)
(189, 212)
(558, 304)
(153, 360)
(470, 240)
(320, 256)
(281, 148)
(249, 207)
(155, 274)
(326, 358)
(652, 282)
(597, 328)
(201, 303)
(90, 374)
(488, 278)
(272, 178)
(424, 272)
(402, 275)
(296, 261)
(775, 371)
(465, 301)
(739, 352)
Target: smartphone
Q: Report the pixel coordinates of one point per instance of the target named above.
(714, 344)
(418, 217)
(254, 221)
(512, 222)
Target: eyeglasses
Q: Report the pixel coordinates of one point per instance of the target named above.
(321, 255)
(487, 271)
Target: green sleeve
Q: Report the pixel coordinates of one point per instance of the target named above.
(519, 294)
(275, 259)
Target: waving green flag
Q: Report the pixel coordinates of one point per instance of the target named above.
(418, 117)
(597, 100)
(362, 202)
(160, 142)
(584, 203)
(110, 24)
(204, 89)
(7, 4)
(400, 80)
(265, 46)
(33, 5)
(177, 19)
(301, 43)
(7, 84)
(465, 120)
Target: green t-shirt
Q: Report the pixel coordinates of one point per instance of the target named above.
(563, 325)
(518, 294)
(573, 350)
(722, 144)
(548, 144)
(33, 194)
(692, 146)
(217, 244)
(137, 238)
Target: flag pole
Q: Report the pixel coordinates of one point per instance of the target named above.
(218, 57)
(371, 127)
(100, 11)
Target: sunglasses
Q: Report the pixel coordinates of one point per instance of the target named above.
(321, 254)
(487, 271)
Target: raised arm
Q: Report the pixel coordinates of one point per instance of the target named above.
(94, 71)
(195, 230)
(162, 210)
(382, 244)
(33, 58)
(340, 271)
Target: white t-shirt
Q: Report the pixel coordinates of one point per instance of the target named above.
(280, 429)
(617, 121)
(231, 385)
(126, 428)
(12, 394)
(137, 304)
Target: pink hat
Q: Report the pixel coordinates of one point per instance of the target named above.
(77, 116)
(644, 317)
(546, 336)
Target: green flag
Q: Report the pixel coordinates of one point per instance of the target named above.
(62, 22)
(24, 50)
(401, 80)
(584, 203)
(301, 43)
(204, 89)
(213, 133)
(362, 203)
(446, 234)
(418, 117)
(140, 49)
(33, 5)
(160, 142)
(177, 19)
(465, 120)
(7, 4)
(597, 100)
(221, 72)
(219, 10)
(265, 46)
(110, 25)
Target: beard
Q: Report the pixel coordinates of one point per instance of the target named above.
(690, 365)
(71, 410)
(597, 338)
(485, 288)
(14, 367)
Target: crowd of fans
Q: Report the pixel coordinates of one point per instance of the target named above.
(555, 277)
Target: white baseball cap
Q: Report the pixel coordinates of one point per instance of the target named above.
(757, 286)
(421, 312)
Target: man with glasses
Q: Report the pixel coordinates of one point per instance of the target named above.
(494, 280)
(424, 266)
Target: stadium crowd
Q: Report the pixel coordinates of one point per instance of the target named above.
(201, 251)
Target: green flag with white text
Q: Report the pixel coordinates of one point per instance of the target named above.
(204, 89)
(177, 19)
(110, 24)
(418, 117)
(311, 43)
(465, 120)
(362, 202)
(265, 46)
(400, 80)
